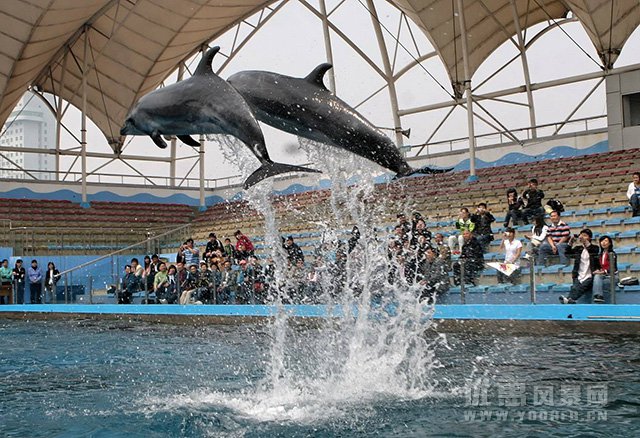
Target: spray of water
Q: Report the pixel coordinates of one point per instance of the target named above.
(375, 346)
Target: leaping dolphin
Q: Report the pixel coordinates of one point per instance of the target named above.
(305, 107)
(203, 104)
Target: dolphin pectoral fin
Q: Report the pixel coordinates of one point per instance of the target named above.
(271, 169)
(188, 140)
(157, 139)
(317, 75)
(424, 171)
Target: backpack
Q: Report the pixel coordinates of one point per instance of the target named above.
(629, 281)
(555, 205)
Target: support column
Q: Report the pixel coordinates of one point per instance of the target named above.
(467, 86)
(203, 205)
(327, 45)
(59, 116)
(525, 69)
(83, 129)
(174, 147)
(388, 72)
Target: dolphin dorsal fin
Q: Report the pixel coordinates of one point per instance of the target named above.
(205, 63)
(317, 75)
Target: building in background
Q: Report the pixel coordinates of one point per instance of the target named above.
(31, 125)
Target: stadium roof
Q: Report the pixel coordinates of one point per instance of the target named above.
(135, 44)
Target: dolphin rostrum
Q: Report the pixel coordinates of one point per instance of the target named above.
(306, 108)
(203, 104)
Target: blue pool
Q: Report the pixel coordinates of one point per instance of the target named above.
(116, 378)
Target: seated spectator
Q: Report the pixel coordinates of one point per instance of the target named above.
(532, 198)
(189, 291)
(483, 220)
(294, 253)
(420, 230)
(433, 276)
(129, 286)
(602, 277)
(228, 289)
(514, 208)
(404, 225)
(242, 255)
(633, 194)
(213, 245)
(244, 241)
(586, 263)
(512, 248)
(442, 249)
(558, 234)
(472, 257)
(229, 252)
(246, 282)
(167, 285)
(159, 280)
(353, 240)
(138, 272)
(464, 223)
(536, 237)
(190, 253)
(50, 281)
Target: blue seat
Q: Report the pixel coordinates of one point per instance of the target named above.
(626, 249)
(612, 222)
(545, 287)
(595, 223)
(632, 220)
(553, 269)
(584, 212)
(623, 266)
(618, 209)
(634, 267)
(562, 288)
(567, 269)
(602, 210)
(628, 234)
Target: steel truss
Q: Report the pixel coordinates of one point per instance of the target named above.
(464, 94)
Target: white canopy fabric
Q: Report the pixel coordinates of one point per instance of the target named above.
(135, 44)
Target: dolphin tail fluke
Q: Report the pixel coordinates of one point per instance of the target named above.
(271, 169)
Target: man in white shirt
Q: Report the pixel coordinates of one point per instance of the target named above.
(633, 193)
(586, 262)
(512, 248)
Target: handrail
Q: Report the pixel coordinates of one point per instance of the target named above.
(83, 265)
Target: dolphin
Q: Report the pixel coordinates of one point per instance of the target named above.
(203, 104)
(306, 108)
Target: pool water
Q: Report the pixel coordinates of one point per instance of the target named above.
(101, 378)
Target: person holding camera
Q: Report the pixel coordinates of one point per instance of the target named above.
(483, 219)
(587, 262)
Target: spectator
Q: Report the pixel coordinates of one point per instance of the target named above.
(182, 277)
(473, 258)
(415, 217)
(420, 230)
(167, 291)
(229, 251)
(514, 208)
(353, 240)
(243, 240)
(189, 288)
(633, 193)
(160, 281)
(241, 253)
(558, 234)
(433, 276)
(532, 198)
(404, 225)
(35, 282)
(180, 255)
(228, 286)
(443, 250)
(294, 253)
(608, 264)
(213, 245)
(537, 236)
(483, 220)
(190, 253)
(19, 276)
(129, 286)
(586, 263)
(147, 280)
(246, 282)
(512, 248)
(50, 281)
(6, 275)
(464, 223)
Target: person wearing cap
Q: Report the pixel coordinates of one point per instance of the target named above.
(586, 256)
(19, 276)
(35, 283)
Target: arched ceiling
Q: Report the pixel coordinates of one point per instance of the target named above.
(135, 44)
